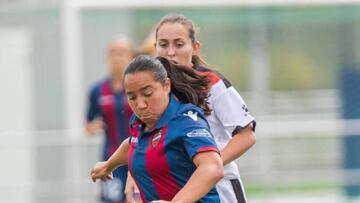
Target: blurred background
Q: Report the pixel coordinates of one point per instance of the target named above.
(295, 62)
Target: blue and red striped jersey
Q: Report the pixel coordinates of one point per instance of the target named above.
(113, 108)
(160, 160)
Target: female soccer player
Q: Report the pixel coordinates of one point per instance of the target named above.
(108, 110)
(171, 153)
(230, 121)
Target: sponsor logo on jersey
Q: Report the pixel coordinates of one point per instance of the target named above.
(192, 115)
(245, 109)
(156, 139)
(133, 140)
(199, 133)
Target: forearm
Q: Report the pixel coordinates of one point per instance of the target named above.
(119, 157)
(201, 182)
(238, 145)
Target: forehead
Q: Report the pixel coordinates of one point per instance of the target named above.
(119, 45)
(172, 31)
(138, 80)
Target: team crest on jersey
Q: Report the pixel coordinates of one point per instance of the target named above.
(156, 139)
(192, 115)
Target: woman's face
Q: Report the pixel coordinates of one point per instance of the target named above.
(147, 98)
(119, 55)
(173, 43)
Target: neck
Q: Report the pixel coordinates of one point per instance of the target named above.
(148, 127)
(117, 76)
(116, 81)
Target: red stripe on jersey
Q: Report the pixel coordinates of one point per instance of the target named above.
(130, 155)
(214, 78)
(109, 109)
(207, 149)
(158, 168)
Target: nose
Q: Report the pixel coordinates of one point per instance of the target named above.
(171, 51)
(141, 104)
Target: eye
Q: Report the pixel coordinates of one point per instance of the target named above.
(163, 45)
(147, 94)
(131, 97)
(179, 45)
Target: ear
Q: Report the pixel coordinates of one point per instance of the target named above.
(196, 48)
(167, 85)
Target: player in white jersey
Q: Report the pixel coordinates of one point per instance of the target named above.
(230, 122)
(229, 115)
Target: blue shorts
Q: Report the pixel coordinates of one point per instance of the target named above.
(113, 191)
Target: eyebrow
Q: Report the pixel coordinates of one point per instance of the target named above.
(143, 88)
(176, 39)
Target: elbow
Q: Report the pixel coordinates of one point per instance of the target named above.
(252, 140)
(218, 171)
(218, 174)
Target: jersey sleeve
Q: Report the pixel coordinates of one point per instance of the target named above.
(195, 134)
(93, 109)
(229, 108)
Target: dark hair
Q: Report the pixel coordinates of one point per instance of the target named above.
(189, 25)
(187, 85)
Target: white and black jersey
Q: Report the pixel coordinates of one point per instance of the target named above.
(229, 114)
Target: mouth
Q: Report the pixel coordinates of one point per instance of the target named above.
(173, 62)
(144, 117)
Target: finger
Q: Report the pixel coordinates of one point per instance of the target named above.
(110, 177)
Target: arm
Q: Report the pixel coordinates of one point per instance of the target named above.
(208, 172)
(232, 113)
(94, 123)
(238, 145)
(102, 170)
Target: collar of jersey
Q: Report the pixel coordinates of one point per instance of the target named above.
(169, 114)
(108, 81)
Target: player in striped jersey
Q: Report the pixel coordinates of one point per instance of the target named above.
(109, 110)
(171, 152)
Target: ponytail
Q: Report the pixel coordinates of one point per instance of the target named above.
(187, 85)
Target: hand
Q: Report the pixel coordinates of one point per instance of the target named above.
(94, 127)
(100, 171)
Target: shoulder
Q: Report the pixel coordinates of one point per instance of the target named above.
(215, 76)
(96, 87)
(189, 116)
